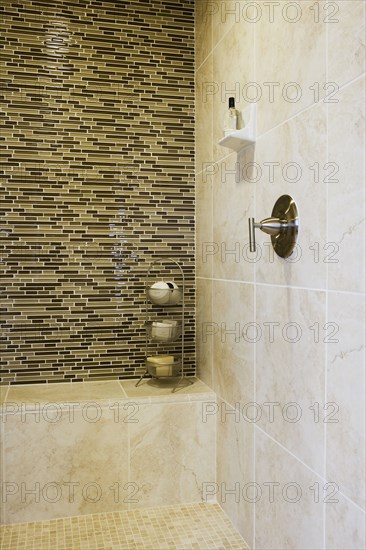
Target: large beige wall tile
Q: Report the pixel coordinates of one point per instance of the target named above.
(66, 448)
(281, 523)
(205, 247)
(204, 102)
(233, 309)
(204, 343)
(225, 14)
(291, 160)
(3, 393)
(289, 51)
(346, 40)
(235, 467)
(346, 197)
(233, 203)
(172, 453)
(233, 67)
(290, 374)
(346, 389)
(345, 525)
(2, 468)
(203, 30)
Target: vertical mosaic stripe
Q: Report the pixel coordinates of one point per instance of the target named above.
(97, 173)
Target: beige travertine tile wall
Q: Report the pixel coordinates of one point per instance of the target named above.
(281, 342)
(69, 450)
(97, 148)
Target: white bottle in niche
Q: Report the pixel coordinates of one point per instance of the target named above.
(231, 119)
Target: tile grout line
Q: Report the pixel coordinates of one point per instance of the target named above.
(288, 287)
(254, 433)
(211, 264)
(326, 288)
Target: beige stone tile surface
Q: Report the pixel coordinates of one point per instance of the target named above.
(290, 62)
(233, 310)
(172, 453)
(235, 467)
(65, 392)
(204, 233)
(346, 395)
(3, 393)
(231, 259)
(204, 105)
(289, 515)
(290, 373)
(204, 343)
(157, 389)
(345, 523)
(346, 41)
(203, 29)
(181, 527)
(65, 462)
(346, 195)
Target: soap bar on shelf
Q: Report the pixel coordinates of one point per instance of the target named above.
(162, 359)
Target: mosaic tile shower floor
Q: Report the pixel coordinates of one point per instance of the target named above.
(181, 527)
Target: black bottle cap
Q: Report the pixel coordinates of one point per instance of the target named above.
(231, 102)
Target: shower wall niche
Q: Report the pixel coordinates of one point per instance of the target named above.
(98, 178)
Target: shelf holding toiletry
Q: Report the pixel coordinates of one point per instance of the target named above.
(163, 328)
(162, 366)
(164, 293)
(239, 138)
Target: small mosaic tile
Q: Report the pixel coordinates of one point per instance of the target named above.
(180, 527)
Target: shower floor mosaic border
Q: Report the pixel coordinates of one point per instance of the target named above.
(183, 527)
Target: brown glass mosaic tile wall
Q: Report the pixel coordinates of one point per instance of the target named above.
(97, 177)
